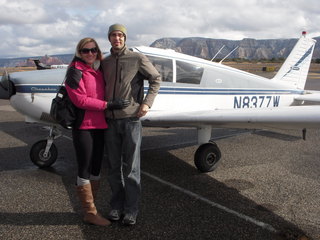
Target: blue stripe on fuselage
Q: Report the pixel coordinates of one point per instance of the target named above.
(227, 91)
(171, 90)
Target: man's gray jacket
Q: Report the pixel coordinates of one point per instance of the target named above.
(124, 74)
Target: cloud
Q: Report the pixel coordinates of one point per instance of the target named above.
(40, 27)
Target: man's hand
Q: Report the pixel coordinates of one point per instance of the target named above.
(118, 104)
(144, 108)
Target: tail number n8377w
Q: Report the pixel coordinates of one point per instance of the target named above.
(256, 101)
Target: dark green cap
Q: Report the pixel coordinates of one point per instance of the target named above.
(117, 27)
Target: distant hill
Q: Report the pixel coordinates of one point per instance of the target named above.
(27, 61)
(248, 48)
(206, 48)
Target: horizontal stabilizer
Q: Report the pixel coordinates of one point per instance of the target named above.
(314, 97)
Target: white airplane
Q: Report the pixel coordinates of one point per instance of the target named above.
(194, 93)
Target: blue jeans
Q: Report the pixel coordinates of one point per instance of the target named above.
(123, 142)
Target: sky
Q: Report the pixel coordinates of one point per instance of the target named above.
(47, 27)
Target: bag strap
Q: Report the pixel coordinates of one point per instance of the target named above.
(65, 77)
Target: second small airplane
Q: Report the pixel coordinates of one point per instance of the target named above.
(42, 66)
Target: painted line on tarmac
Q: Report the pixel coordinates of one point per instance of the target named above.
(217, 205)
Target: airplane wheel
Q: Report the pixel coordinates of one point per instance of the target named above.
(37, 154)
(206, 157)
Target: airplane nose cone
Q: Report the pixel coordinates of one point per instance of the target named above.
(6, 87)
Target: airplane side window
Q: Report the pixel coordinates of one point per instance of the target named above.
(164, 67)
(188, 73)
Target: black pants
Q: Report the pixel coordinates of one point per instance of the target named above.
(89, 146)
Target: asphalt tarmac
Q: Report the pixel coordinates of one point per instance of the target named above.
(267, 186)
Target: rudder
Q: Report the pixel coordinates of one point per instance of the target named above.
(296, 67)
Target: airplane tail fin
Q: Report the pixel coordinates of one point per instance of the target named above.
(39, 65)
(296, 67)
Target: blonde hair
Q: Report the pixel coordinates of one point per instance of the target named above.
(83, 42)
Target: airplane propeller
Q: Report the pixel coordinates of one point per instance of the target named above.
(6, 86)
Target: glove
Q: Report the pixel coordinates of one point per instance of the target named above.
(118, 104)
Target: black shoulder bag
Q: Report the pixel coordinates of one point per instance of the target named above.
(63, 111)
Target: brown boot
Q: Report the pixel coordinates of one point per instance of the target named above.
(90, 212)
(95, 185)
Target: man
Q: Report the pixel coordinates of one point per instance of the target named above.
(124, 74)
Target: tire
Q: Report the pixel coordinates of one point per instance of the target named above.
(207, 157)
(37, 157)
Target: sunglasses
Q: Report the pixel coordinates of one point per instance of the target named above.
(87, 50)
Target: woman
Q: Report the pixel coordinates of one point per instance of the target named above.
(85, 86)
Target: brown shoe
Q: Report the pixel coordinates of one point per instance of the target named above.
(96, 219)
(90, 212)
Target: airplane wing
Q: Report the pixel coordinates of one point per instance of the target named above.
(293, 117)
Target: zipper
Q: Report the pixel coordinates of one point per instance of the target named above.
(115, 83)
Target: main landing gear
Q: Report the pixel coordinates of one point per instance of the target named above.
(207, 157)
(208, 154)
(44, 153)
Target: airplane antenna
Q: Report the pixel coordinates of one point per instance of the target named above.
(228, 54)
(217, 52)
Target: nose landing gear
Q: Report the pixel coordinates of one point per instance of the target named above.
(44, 153)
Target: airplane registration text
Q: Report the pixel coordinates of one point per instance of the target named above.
(256, 101)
